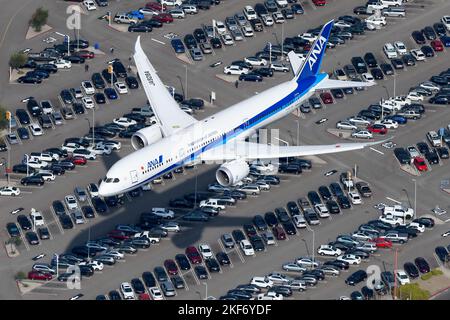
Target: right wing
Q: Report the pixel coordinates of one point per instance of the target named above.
(339, 84)
(166, 109)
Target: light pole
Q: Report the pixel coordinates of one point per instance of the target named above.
(415, 197)
(27, 157)
(206, 290)
(68, 41)
(270, 52)
(185, 81)
(313, 242)
(394, 84)
(182, 86)
(298, 130)
(282, 41)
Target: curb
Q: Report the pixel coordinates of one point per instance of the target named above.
(438, 292)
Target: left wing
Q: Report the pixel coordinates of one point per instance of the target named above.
(250, 150)
(164, 106)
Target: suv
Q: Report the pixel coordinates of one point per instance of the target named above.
(364, 189)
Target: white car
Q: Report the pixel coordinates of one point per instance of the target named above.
(35, 163)
(236, 70)
(263, 167)
(155, 293)
(112, 144)
(416, 226)
(278, 17)
(88, 102)
(100, 149)
(35, 129)
(299, 221)
(306, 262)
(255, 61)
(346, 125)
(220, 27)
(205, 251)
(355, 198)
(367, 77)
(62, 64)
(279, 67)
(163, 212)
(388, 123)
(271, 295)
(262, 282)
(362, 134)
(392, 220)
(281, 3)
(71, 146)
(124, 122)
(430, 86)
(227, 39)
(96, 265)
(359, 121)
(350, 259)
(376, 21)
(47, 175)
(399, 211)
(93, 190)
(71, 202)
(88, 87)
(89, 155)
(36, 218)
(250, 13)
(414, 96)
(390, 51)
(170, 226)
(292, 266)
(47, 107)
(402, 277)
(278, 278)
(247, 248)
(267, 20)
(361, 236)
(327, 250)
(308, 37)
(400, 48)
(9, 191)
(434, 139)
(446, 21)
(413, 152)
(121, 87)
(90, 5)
(322, 210)
(127, 291)
(418, 54)
(148, 11)
(247, 31)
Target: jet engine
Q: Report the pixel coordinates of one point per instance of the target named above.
(146, 136)
(232, 172)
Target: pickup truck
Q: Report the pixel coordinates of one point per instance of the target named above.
(153, 239)
(399, 211)
(396, 237)
(346, 180)
(409, 114)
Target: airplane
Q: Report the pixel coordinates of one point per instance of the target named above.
(178, 139)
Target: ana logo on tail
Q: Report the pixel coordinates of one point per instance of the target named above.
(315, 51)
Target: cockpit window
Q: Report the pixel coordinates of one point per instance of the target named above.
(116, 180)
(108, 180)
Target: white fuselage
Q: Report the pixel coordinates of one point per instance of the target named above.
(236, 122)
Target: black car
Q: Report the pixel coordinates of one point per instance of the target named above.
(427, 51)
(265, 72)
(78, 108)
(12, 229)
(249, 230)
(58, 207)
(422, 265)
(333, 207)
(194, 103)
(257, 243)
(75, 59)
(32, 238)
(23, 116)
(160, 274)
(107, 76)
(408, 60)
(260, 9)
(149, 279)
(238, 235)
(440, 29)
(379, 225)
(377, 73)
(181, 203)
(429, 33)
(200, 35)
(325, 193)
(359, 65)
(442, 152)
(223, 258)
(65, 164)
(432, 157)
(153, 23)
(259, 223)
(282, 215)
(216, 43)
(139, 28)
(201, 272)
(253, 77)
(99, 205)
(289, 227)
(283, 290)
(22, 168)
(411, 270)
(292, 208)
(182, 261)
(31, 80)
(423, 147)
(343, 201)
(418, 37)
(440, 80)
(98, 81)
(397, 63)
(271, 219)
(114, 295)
(367, 293)
(189, 41)
(34, 108)
(356, 277)
(314, 198)
(336, 189)
(88, 212)
(337, 93)
(402, 155)
(66, 96)
(44, 234)
(86, 271)
(24, 222)
(212, 265)
(66, 222)
(23, 133)
(137, 285)
(387, 69)
(132, 82)
(370, 60)
(240, 294)
(341, 265)
(317, 273)
(32, 180)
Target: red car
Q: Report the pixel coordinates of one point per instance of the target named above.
(326, 97)
(377, 128)
(86, 54)
(420, 164)
(164, 18)
(193, 255)
(437, 45)
(279, 233)
(144, 296)
(155, 6)
(319, 3)
(382, 243)
(171, 267)
(36, 275)
(119, 235)
(78, 160)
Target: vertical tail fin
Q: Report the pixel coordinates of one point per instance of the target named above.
(314, 58)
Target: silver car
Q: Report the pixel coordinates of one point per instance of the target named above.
(81, 194)
(57, 118)
(77, 217)
(206, 48)
(168, 289)
(196, 54)
(237, 34)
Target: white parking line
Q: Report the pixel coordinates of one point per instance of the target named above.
(158, 41)
(393, 200)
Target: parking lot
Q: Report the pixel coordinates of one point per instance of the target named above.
(379, 167)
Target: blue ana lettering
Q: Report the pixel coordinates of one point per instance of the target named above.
(315, 51)
(153, 163)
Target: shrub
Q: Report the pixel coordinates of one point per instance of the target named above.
(20, 275)
(3, 122)
(39, 19)
(414, 292)
(436, 272)
(17, 60)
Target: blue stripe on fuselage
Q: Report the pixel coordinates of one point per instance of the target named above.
(300, 91)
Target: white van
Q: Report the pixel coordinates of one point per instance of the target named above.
(212, 203)
(44, 156)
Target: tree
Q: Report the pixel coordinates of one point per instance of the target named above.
(17, 60)
(39, 19)
(3, 122)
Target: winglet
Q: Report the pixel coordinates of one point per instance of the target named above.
(314, 58)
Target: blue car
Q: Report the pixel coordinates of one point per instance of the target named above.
(445, 41)
(111, 93)
(399, 119)
(136, 15)
(177, 45)
(23, 133)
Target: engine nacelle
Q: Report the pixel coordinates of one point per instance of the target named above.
(232, 172)
(146, 136)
